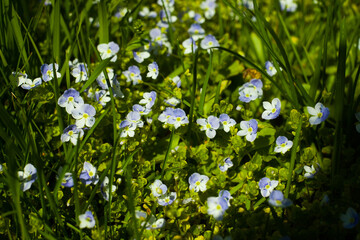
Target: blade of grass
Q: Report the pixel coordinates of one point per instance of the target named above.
(293, 158)
(339, 101)
(103, 22)
(56, 31)
(205, 84)
(101, 67)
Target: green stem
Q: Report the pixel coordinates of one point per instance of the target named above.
(293, 158)
(167, 153)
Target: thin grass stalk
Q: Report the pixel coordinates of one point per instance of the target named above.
(339, 102)
(205, 84)
(167, 153)
(293, 158)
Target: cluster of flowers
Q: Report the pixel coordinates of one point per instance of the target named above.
(288, 5)
(175, 117)
(47, 74)
(87, 176)
(133, 118)
(276, 197)
(216, 205)
(152, 222)
(212, 123)
(159, 190)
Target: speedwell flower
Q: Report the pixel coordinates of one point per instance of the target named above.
(208, 42)
(282, 144)
(70, 100)
(178, 118)
(153, 69)
(148, 99)
(350, 219)
(47, 71)
(80, 72)
(272, 110)
(251, 90)
(101, 79)
(166, 199)
(27, 177)
(267, 186)
(132, 75)
(108, 50)
(248, 129)
(128, 129)
(72, 133)
(288, 5)
(226, 122)
(310, 171)
(173, 101)
(87, 220)
(154, 223)
(145, 12)
(198, 182)
(88, 174)
(270, 69)
(165, 115)
(139, 56)
(225, 194)
(277, 199)
(21, 77)
(67, 180)
(209, 7)
(84, 115)
(226, 165)
(158, 188)
(189, 45)
(103, 97)
(210, 125)
(140, 109)
(105, 188)
(216, 207)
(28, 84)
(320, 113)
(196, 31)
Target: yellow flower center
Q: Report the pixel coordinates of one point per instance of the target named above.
(85, 115)
(178, 119)
(48, 72)
(70, 133)
(208, 125)
(210, 43)
(91, 174)
(88, 219)
(283, 144)
(108, 51)
(250, 129)
(70, 99)
(197, 183)
(319, 115)
(218, 207)
(273, 110)
(278, 202)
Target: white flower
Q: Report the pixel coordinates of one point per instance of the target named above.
(217, 207)
(108, 50)
(282, 144)
(87, 220)
(310, 171)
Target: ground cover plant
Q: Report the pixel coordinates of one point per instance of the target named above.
(215, 119)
